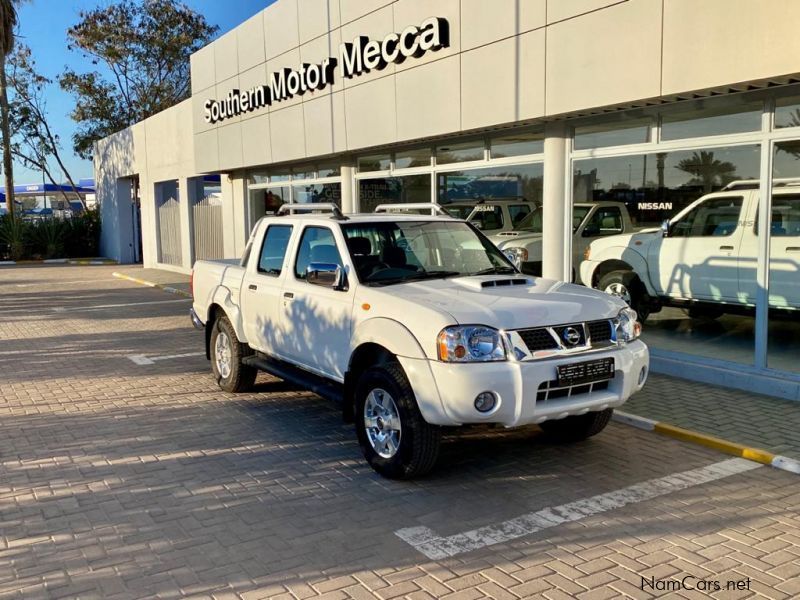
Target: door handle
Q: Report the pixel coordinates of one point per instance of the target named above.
(726, 247)
(252, 287)
(793, 248)
(288, 295)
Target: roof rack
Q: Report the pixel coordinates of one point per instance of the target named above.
(752, 184)
(432, 206)
(293, 207)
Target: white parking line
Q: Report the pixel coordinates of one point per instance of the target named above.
(103, 306)
(141, 359)
(436, 547)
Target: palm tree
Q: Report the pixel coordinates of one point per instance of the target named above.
(708, 170)
(8, 21)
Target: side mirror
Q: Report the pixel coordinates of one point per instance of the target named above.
(665, 228)
(327, 275)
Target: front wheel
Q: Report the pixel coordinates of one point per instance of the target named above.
(227, 353)
(628, 286)
(394, 437)
(578, 427)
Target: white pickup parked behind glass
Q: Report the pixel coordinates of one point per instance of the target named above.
(414, 323)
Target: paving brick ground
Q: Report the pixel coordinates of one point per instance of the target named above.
(121, 480)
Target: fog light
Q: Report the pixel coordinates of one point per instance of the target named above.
(485, 401)
(642, 375)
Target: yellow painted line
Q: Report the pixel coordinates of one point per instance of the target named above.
(710, 441)
(165, 288)
(757, 455)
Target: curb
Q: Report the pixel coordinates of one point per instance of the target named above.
(61, 261)
(784, 463)
(165, 288)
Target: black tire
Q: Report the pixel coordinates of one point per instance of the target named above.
(240, 377)
(640, 300)
(419, 441)
(577, 427)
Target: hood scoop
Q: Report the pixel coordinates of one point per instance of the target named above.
(493, 282)
(508, 234)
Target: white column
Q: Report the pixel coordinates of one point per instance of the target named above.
(241, 226)
(187, 196)
(348, 190)
(557, 235)
(228, 221)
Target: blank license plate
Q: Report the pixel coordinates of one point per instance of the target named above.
(585, 372)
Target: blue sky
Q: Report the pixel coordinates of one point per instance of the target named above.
(43, 25)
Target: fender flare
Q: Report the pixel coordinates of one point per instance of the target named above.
(222, 298)
(391, 334)
(634, 259)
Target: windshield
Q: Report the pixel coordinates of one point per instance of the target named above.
(532, 223)
(459, 212)
(386, 253)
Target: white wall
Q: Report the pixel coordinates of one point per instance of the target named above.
(508, 61)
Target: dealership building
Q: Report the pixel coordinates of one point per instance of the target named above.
(651, 104)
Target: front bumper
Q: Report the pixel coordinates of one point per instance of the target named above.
(587, 269)
(519, 387)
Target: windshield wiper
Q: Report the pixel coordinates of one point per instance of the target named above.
(414, 277)
(494, 271)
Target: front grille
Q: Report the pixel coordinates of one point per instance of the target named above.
(549, 390)
(592, 334)
(577, 327)
(599, 331)
(538, 339)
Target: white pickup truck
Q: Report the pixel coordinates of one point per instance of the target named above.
(414, 322)
(705, 257)
(590, 221)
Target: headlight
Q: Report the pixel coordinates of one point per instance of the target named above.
(516, 256)
(627, 326)
(470, 343)
(588, 252)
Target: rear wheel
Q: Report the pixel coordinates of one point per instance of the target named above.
(577, 427)
(227, 353)
(628, 286)
(394, 437)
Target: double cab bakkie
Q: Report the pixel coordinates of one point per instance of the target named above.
(415, 323)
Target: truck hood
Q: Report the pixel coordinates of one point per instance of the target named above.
(535, 303)
(638, 239)
(514, 239)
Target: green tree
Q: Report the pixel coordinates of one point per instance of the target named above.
(34, 143)
(143, 48)
(8, 22)
(707, 170)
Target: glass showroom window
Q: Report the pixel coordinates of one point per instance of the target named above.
(303, 183)
(622, 129)
(393, 190)
(521, 182)
(783, 339)
(711, 116)
(698, 270)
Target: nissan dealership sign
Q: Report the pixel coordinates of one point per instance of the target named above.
(362, 55)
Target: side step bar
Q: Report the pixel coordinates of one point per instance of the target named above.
(330, 390)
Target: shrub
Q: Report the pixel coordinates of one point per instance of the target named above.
(46, 238)
(13, 237)
(82, 234)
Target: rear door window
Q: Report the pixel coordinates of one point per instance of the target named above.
(273, 250)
